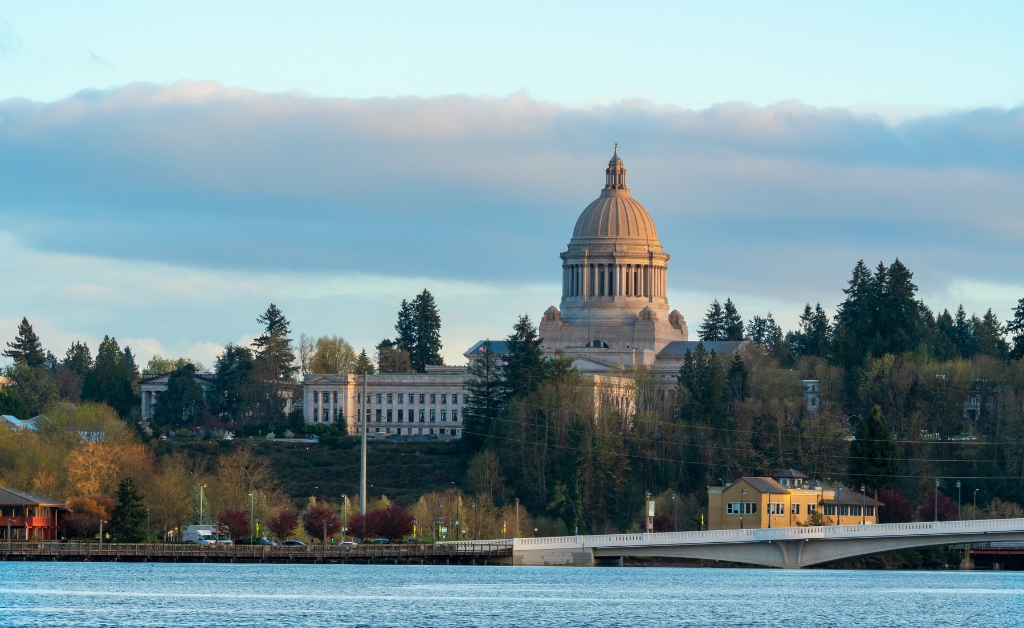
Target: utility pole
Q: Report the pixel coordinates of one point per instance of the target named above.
(958, 500)
(675, 514)
(517, 517)
(362, 456)
(252, 518)
(474, 520)
(936, 499)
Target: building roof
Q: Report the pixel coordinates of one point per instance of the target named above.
(721, 347)
(498, 347)
(846, 497)
(792, 473)
(766, 485)
(11, 497)
(18, 423)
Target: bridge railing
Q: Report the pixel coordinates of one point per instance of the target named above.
(980, 527)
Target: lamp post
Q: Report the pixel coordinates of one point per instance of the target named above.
(474, 520)
(457, 513)
(10, 541)
(440, 521)
(344, 526)
(101, 533)
(743, 504)
(958, 500)
(252, 517)
(675, 514)
(769, 510)
(647, 508)
(863, 504)
(201, 487)
(517, 517)
(147, 525)
(362, 449)
(976, 500)
(936, 499)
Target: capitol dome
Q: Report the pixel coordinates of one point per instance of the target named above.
(615, 214)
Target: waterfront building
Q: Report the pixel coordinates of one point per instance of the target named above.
(28, 517)
(785, 500)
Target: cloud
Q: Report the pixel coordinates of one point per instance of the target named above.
(182, 210)
(9, 42)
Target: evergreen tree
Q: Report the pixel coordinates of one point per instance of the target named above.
(701, 380)
(963, 334)
(1016, 330)
(78, 358)
(736, 386)
(393, 359)
(50, 364)
(406, 327)
(11, 404)
(183, 403)
(765, 332)
(813, 336)
(874, 456)
(233, 393)
(419, 331)
(275, 358)
(128, 519)
(364, 366)
(525, 367)
(732, 325)
(26, 348)
(132, 367)
(483, 401)
(109, 380)
(943, 343)
(990, 336)
(33, 385)
(713, 327)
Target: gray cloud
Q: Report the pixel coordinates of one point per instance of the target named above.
(777, 201)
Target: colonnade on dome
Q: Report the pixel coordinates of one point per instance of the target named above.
(613, 280)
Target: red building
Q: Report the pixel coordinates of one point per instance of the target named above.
(28, 517)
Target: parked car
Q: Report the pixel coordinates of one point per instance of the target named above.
(293, 543)
(348, 543)
(200, 535)
(380, 541)
(224, 539)
(257, 541)
(413, 540)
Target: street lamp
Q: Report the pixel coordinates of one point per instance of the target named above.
(743, 504)
(474, 519)
(936, 499)
(101, 532)
(675, 514)
(976, 500)
(148, 534)
(517, 517)
(252, 517)
(201, 487)
(958, 500)
(863, 504)
(10, 541)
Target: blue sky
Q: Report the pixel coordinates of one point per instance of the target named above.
(168, 169)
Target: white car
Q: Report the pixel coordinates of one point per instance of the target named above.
(200, 535)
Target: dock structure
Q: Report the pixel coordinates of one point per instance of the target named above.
(478, 553)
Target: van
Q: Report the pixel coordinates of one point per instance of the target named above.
(200, 535)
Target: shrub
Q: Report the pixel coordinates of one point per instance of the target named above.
(393, 522)
(282, 525)
(947, 510)
(896, 509)
(316, 518)
(236, 521)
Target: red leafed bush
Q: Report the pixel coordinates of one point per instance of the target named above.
(393, 523)
(662, 523)
(316, 517)
(236, 521)
(896, 508)
(360, 526)
(282, 525)
(947, 509)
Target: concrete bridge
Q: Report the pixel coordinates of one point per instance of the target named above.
(771, 547)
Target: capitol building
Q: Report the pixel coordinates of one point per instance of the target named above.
(614, 315)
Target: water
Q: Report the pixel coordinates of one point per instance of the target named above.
(138, 594)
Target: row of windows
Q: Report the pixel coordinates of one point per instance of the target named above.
(412, 398)
(326, 415)
(419, 430)
(327, 396)
(850, 511)
(741, 508)
(811, 508)
(776, 508)
(389, 416)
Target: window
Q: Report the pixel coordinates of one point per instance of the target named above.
(869, 511)
(795, 509)
(368, 398)
(433, 398)
(776, 508)
(367, 416)
(389, 414)
(315, 417)
(335, 396)
(455, 398)
(830, 510)
(378, 414)
(741, 508)
(433, 416)
(412, 397)
(422, 416)
(455, 416)
(379, 397)
(422, 397)
(812, 508)
(444, 415)
(316, 397)
(400, 412)
(389, 398)
(401, 398)
(444, 398)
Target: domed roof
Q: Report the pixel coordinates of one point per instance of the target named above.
(615, 214)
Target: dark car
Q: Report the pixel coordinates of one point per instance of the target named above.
(257, 541)
(380, 541)
(293, 543)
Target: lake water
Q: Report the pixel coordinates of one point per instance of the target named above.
(137, 594)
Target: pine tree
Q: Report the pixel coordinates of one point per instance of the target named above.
(406, 327)
(78, 358)
(732, 327)
(426, 349)
(736, 386)
(813, 336)
(11, 404)
(701, 379)
(128, 519)
(364, 366)
(943, 344)
(275, 357)
(232, 395)
(525, 367)
(483, 401)
(26, 348)
(183, 402)
(713, 327)
(765, 332)
(1016, 330)
(963, 334)
(109, 380)
(874, 456)
(990, 336)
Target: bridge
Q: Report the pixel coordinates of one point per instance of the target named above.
(771, 547)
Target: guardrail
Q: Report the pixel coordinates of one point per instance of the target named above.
(980, 527)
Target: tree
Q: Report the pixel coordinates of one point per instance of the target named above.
(110, 381)
(236, 521)
(392, 359)
(990, 336)
(702, 383)
(392, 523)
(32, 385)
(1015, 328)
(362, 525)
(946, 507)
(233, 394)
(874, 455)
(713, 327)
(364, 366)
(26, 348)
(275, 358)
(282, 525)
(766, 333)
(484, 473)
(813, 336)
(483, 401)
(11, 404)
(732, 328)
(316, 518)
(326, 354)
(128, 520)
(78, 359)
(896, 508)
(419, 331)
(525, 367)
(736, 386)
(159, 365)
(183, 402)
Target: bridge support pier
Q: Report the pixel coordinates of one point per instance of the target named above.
(576, 555)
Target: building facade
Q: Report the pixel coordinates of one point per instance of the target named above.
(155, 385)
(28, 517)
(786, 500)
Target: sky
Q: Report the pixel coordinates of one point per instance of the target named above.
(169, 169)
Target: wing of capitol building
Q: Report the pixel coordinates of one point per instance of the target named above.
(614, 315)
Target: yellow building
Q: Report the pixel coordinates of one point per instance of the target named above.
(786, 500)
